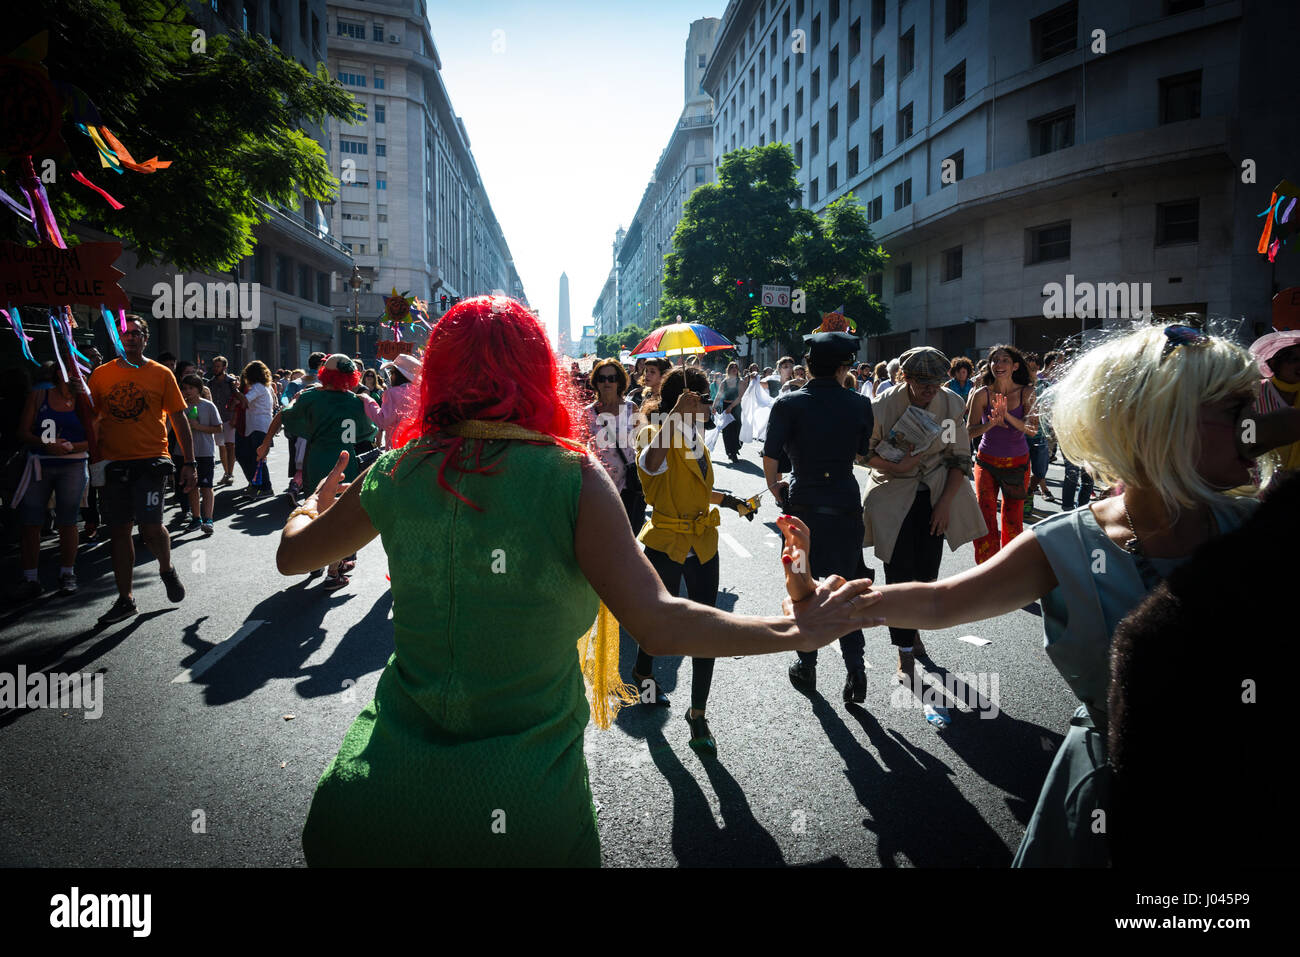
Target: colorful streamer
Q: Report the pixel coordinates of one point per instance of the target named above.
(80, 178)
(16, 323)
(18, 208)
(113, 335)
(54, 341)
(125, 158)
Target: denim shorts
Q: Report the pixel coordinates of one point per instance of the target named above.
(67, 480)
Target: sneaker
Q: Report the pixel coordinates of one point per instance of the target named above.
(195, 524)
(207, 526)
(27, 590)
(335, 582)
(226, 479)
(68, 584)
(802, 676)
(122, 609)
(295, 490)
(175, 590)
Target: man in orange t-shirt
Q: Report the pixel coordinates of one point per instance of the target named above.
(132, 402)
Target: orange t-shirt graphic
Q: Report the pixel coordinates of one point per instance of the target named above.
(130, 407)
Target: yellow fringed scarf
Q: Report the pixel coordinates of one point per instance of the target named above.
(598, 647)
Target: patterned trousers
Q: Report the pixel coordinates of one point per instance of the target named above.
(1013, 510)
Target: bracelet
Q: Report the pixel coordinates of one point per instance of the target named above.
(190, 465)
(302, 510)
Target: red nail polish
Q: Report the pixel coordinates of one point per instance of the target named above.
(787, 560)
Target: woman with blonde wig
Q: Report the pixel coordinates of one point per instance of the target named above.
(1160, 410)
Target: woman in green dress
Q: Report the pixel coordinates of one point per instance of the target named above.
(500, 532)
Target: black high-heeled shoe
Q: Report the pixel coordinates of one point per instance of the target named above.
(702, 742)
(657, 697)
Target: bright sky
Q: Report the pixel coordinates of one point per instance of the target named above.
(566, 123)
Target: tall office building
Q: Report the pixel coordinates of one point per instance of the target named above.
(685, 163)
(605, 312)
(415, 214)
(998, 149)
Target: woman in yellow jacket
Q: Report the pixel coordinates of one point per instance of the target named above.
(681, 537)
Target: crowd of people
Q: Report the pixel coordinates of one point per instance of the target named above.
(617, 472)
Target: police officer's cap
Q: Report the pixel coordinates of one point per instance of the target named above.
(832, 345)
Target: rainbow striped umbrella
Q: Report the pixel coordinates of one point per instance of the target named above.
(680, 338)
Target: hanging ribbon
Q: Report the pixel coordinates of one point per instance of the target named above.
(1264, 237)
(107, 158)
(125, 158)
(65, 325)
(80, 178)
(16, 323)
(54, 341)
(18, 208)
(47, 228)
(114, 337)
(121, 320)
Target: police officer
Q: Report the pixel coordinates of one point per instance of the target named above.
(822, 427)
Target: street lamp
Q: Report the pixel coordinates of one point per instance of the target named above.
(355, 283)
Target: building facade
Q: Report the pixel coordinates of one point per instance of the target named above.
(1001, 148)
(413, 210)
(686, 163)
(605, 312)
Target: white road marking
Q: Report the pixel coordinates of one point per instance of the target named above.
(971, 639)
(217, 653)
(735, 546)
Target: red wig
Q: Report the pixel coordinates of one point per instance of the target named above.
(488, 358)
(338, 380)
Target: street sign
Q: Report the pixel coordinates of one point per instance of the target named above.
(778, 296)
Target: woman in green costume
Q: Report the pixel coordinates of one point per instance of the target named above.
(500, 533)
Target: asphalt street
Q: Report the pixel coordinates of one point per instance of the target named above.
(219, 715)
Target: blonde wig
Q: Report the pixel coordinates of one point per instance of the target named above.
(1128, 412)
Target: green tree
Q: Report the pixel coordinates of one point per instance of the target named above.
(745, 231)
(228, 118)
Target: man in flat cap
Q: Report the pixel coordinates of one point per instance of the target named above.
(822, 427)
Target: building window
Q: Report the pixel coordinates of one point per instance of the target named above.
(954, 86)
(816, 85)
(832, 124)
(798, 152)
(875, 209)
(346, 28)
(1055, 32)
(379, 32)
(785, 73)
(854, 102)
(772, 89)
(380, 113)
(902, 278)
(954, 20)
(798, 103)
(877, 79)
(906, 52)
(1177, 222)
(762, 103)
(772, 48)
(812, 192)
(816, 35)
(379, 80)
(903, 194)
(700, 62)
(752, 124)
(701, 175)
(304, 282)
(1047, 243)
(381, 218)
(853, 161)
(381, 184)
(353, 146)
(785, 120)
(833, 63)
(283, 274)
(1180, 97)
(876, 284)
(877, 144)
(323, 288)
(905, 122)
(957, 166)
(771, 132)
(832, 177)
(798, 9)
(352, 79)
(951, 264)
(816, 139)
(785, 23)
(381, 247)
(855, 38)
(877, 14)
(835, 11)
(1052, 132)
(381, 149)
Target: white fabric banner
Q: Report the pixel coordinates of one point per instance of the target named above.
(755, 406)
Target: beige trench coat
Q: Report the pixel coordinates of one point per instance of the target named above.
(889, 497)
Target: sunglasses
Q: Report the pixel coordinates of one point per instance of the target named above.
(606, 378)
(1176, 336)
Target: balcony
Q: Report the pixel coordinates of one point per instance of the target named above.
(294, 229)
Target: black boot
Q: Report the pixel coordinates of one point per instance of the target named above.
(803, 676)
(855, 687)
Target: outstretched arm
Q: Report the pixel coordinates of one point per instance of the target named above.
(340, 529)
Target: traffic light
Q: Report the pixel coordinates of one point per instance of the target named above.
(750, 286)
(443, 302)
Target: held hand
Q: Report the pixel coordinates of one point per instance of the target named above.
(264, 449)
(834, 609)
(331, 485)
(907, 463)
(799, 583)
